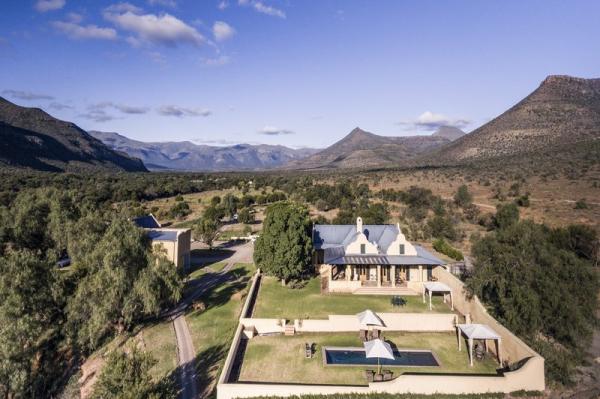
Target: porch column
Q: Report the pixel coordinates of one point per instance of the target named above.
(393, 275)
(471, 352)
(331, 272)
(379, 275)
(420, 273)
(498, 351)
(348, 272)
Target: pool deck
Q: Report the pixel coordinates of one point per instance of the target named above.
(281, 359)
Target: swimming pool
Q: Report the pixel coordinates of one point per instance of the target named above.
(336, 356)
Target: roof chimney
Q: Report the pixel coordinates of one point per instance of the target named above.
(359, 225)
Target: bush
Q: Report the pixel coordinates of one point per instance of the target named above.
(581, 204)
(179, 210)
(443, 247)
(463, 197)
(522, 201)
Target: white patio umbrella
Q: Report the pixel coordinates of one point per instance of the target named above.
(369, 318)
(379, 349)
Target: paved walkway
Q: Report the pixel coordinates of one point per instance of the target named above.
(186, 354)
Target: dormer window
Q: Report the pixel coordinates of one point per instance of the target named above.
(363, 249)
(401, 249)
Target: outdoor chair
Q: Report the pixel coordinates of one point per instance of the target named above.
(387, 375)
(479, 352)
(378, 377)
(370, 375)
(307, 350)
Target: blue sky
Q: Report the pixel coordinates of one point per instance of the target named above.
(292, 72)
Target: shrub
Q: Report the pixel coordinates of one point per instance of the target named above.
(581, 204)
(443, 247)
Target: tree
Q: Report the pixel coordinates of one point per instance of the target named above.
(230, 204)
(27, 311)
(127, 376)
(284, 247)
(214, 213)
(246, 216)
(506, 215)
(206, 230)
(216, 200)
(463, 197)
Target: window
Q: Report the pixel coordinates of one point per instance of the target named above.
(401, 249)
(363, 248)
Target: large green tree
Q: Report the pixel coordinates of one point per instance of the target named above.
(540, 288)
(206, 229)
(284, 247)
(127, 376)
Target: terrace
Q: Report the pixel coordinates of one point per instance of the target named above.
(281, 359)
(275, 301)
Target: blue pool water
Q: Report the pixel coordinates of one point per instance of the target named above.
(401, 358)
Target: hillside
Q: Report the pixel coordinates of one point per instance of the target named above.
(563, 111)
(361, 149)
(187, 156)
(31, 138)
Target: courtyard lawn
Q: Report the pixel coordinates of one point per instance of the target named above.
(159, 340)
(275, 301)
(212, 329)
(281, 359)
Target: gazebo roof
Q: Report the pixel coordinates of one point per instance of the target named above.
(478, 331)
(436, 286)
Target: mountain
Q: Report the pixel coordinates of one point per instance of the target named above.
(188, 156)
(562, 112)
(449, 132)
(361, 149)
(33, 139)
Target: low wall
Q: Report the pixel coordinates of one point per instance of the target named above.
(343, 286)
(428, 322)
(525, 378)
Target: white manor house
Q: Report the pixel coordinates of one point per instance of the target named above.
(370, 259)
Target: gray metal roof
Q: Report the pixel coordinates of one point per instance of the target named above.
(147, 222)
(330, 235)
(162, 235)
(422, 258)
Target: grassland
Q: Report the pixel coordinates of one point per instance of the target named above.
(275, 301)
(281, 358)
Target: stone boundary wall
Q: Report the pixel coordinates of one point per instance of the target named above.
(525, 378)
(252, 294)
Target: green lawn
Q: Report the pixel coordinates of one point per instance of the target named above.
(275, 301)
(281, 359)
(198, 271)
(159, 340)
(213, 329)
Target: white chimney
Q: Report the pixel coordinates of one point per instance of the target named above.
(359, 225)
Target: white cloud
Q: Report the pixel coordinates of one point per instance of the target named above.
(166, 3)
(173, 110)
(75, 31)
(262, 8)
(59, 106)
(217, 61)
(123, 108)
(74, 17)
(49, 5)
(222, 5)
(97, 115)
(222, 31)
(431, 121)
(163, 29)
(27, 95)
(274, 131)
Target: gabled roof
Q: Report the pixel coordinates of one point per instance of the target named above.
(330, 235)
(147, 222)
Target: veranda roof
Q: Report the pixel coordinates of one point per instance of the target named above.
(478, 331)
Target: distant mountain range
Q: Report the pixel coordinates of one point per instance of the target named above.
(30, 138)
(187, 156)
(361, 149)
(562, 112)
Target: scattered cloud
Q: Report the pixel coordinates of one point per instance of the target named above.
(49, 5)
(273, 131)
(216, 61)
(262, 8)
(27, 95)
(173, 110)
(79, 32)
(163, 29)
(222, 5)
(123, 108)
(431, 121)
(97, 115)
(59, 106)
(74, 17)
(165, 3)
(222, 31)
